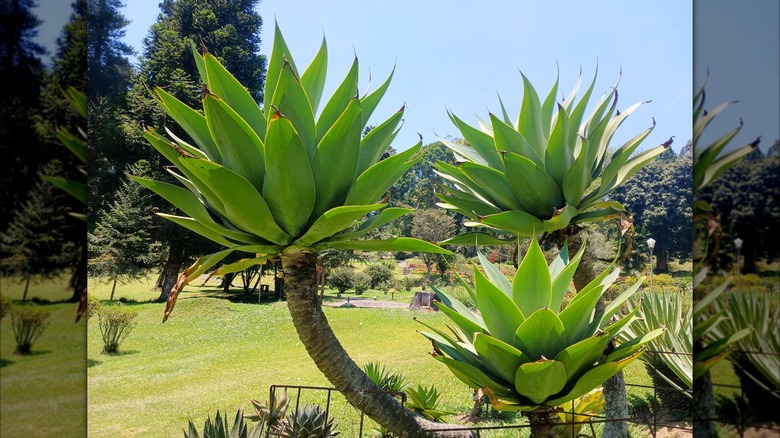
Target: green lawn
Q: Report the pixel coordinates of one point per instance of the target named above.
(219, 351)
(43, 394)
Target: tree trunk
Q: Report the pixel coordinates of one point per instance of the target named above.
(662, 260)
(171, 270)
(113, 289)
(542, 422)
(703, 407)
(330, 357)
(227, 281)
(26, 288)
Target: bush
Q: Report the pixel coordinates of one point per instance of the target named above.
(28, 324)
(361, 282)
(341, 279)
(5, 306)
(115, 326)
(93, 306)
(384, 378)
(379, 273)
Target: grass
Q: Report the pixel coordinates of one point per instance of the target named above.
(216, 353)
(43, 394)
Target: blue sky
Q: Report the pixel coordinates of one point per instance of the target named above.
(459, 56)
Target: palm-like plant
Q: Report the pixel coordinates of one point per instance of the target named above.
(523, 349)
(279, 182)
(544, 171)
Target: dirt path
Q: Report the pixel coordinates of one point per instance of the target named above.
(369, 303)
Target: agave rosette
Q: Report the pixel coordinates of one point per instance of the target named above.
(545, 170)
(520, 347)
(278, 179)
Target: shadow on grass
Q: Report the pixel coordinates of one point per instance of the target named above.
(5, 362)
(92, 362)
(33, 353)
(121, 353)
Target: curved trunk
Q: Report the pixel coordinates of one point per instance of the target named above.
(704, 411)
(330, 357)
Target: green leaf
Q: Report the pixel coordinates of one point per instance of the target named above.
(579, 357)
(518, 222)
(592, 379)
(509, 140)
(532, 288)
(460, 314)
(540, 380)
(407, 244)
(494, 183)
(578, 178)
(243, 205)
(313, 79)
(562, 280)
(477, 238)
(498, 357)
(629, 348)
(280, 55)
(290, 99)
(502, 317)
(240, 265)
(476, 378)
(542, 335)
(383, 217)
(289, 184)
(76, 189)
(539, 194)
(197, 227)
(227, 87)
(374, 182)
(370, 102)
(76, 145)
(548, 105)
(78, 100)
(560, 220)
(193, 123)
(466, 204)
(494, 275)
(343, 95)
(335, 162)
(376, 142)
(559, 155)
(481, 142)
(239, 146)
(529, 123)
(334, 221)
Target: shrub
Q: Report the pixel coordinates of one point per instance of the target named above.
(384, 378)
(5, 306)
(28, 324)
(115, 326)
(360, 282)
(425, 401)
(93, 306)
(341, 279)
(220, 428)
(379, 273)
(309, 421)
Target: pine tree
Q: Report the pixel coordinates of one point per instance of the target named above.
(36, 242)
(121, 247)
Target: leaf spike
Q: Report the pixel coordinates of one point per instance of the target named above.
(668, 143)
(276, 112)
(754, 143)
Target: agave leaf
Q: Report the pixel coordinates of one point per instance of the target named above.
(74, 188)
(498, 357)
(722, 164)
(197, 227)
(464, 151)
(500, 313)
(466, 207)
(333, 221)
(243, 205)
(532, 288)
(539, 193)
(465, 325)
(494, 275)
(239, 146)
(541, 335)
(280, 55)
(701, 122)
(291, 100)
(381, 218)
(576, 115)
(529, 123)
(374, 182)
(339, 100)
(313, 79)
(370, 102)
(518, 222)
(74, 143)
(481, 142)
(289, 184)
(580, 356)
(475, 378)
(475, 322)
(192, 150)
(561, 219)
(549, 104)
(629, 348)
(459, 351)
(393, 244)
(559, 155)
(509, 140)
(576, 316)
(227, 87)
(334, 164)
(197, 269)
(577, 178)
(540, 380)
(376, 142)
(561, 280)
(494, 183)
(477, 238)
(193, 123)
(78, 100)
(591, 379)
(240, 265)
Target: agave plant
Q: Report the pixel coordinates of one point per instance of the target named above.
(578, 412)
(220, 428)
(543, 171)
(384, 378)
(523, 349)
(311, 421)
(425, 400)
(273, 412)
(280, 182)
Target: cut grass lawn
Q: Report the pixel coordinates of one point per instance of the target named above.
(43, 394)
(216, 353)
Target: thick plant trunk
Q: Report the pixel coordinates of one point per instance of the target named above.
(542, 422)
(171, 270)
(330, 357)
(703, 407)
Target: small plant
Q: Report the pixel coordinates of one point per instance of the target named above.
(579, 411)
(28, 324)
(311, 421)
(341, 279)
(425, 401)
(93, 306)
(384, 378)
(220, 428)
(115, 326)
(360, 282)
(5, 306)
(379, 273)
(273, 412)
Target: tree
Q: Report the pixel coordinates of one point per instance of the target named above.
(108, 66)
(20, 65)
(229, 30)
(660, 198)
(432, 226)
(121, 247)
(36, 242)
(289, 187)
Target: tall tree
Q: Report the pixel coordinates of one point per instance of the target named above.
(230, 30)
(432, 225)
(36, 242)
(121, 246)
(22, 71)
(660, 198)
